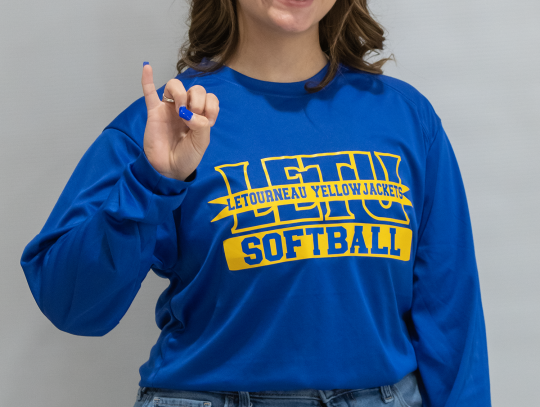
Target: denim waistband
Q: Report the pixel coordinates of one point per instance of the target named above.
(244, 396)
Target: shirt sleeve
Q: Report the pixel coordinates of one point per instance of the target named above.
(449, 333)
(87, 264)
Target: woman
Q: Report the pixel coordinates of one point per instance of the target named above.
(318, 244)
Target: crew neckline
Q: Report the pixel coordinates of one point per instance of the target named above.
(271, 88)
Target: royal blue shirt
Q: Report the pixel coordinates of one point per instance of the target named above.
(324, 241)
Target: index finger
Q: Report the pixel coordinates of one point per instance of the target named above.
(149, 90)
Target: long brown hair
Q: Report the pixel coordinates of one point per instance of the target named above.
(348, 34)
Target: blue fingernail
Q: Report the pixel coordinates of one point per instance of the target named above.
(184, 113)
(145, 63)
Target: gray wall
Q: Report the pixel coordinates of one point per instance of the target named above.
(68, 68)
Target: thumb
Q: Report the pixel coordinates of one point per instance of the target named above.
(149, 90)
(196, 122)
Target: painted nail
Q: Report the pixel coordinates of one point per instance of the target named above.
(184, 113)
(145, 63)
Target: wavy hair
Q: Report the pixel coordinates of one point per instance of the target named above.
(348, 34)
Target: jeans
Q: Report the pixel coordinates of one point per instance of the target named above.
(404, 393)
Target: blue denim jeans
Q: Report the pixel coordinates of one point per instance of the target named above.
(404, 393)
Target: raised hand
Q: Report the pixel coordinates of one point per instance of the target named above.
(174, 145)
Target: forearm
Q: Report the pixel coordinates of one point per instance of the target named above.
(87, 264)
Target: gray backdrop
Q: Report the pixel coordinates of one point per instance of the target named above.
(68, 68)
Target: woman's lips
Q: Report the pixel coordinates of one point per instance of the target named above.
(296, 3)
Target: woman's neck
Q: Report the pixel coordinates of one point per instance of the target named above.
(273, 55)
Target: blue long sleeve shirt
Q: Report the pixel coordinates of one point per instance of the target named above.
(324, 241)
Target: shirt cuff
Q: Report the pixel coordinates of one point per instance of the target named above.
(157, 183)
(144, 195)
